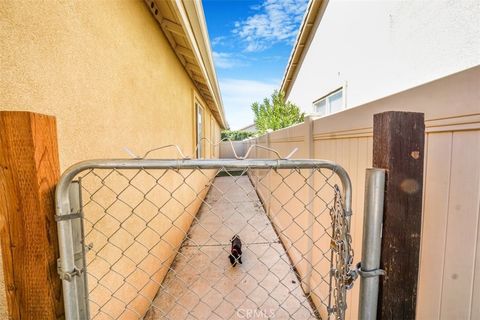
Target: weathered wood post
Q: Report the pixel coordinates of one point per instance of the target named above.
(398, 147)
(29, 171)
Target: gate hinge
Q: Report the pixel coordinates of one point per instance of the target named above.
(70, 216)
(68, 276)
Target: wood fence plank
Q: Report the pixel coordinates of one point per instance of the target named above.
(398, 146)
(29, 171)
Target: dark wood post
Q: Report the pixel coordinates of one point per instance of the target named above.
(29, 171)
(398, 146)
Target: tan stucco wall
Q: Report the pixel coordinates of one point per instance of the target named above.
(107, 73)
(103, 68)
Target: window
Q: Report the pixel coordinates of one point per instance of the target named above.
(331, 103)
(199, 130)
(320, 107)
(212, 136)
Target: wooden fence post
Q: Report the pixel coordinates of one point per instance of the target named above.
(29, 171)
(398, 146)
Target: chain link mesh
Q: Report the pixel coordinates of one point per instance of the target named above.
(158, 242)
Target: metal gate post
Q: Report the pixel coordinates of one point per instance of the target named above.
(67, 269)
(371, 243)
(66, 266)
(79, 249)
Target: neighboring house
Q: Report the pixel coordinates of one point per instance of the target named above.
(349, 53)
(250, 128)
(117, 74)
(414, 56)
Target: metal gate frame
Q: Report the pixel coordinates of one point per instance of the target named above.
(69, 213)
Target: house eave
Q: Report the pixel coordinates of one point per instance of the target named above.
(314, 11)
(183, 24)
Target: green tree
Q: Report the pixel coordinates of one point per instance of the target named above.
(276, 113)
(236, 135)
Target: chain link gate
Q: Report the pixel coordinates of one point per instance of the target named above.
(150, 239)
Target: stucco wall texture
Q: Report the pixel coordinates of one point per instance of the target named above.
(103, 68)
(107, 73)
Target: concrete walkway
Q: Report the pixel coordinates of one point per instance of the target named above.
(202, 284)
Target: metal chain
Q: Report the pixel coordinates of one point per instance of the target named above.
(341, 244)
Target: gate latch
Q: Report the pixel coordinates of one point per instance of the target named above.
(352, 275)
(358, 271)
(68, 276)
(368, 273)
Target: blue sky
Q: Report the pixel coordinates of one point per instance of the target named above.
(251, 43)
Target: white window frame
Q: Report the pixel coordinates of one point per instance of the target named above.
(199, 129)
(326, 98)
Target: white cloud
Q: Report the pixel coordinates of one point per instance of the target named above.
(224, 60)
(277, 21)
(218, 40)
(238, 96)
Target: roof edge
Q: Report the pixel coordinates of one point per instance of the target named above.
(186, 20)
(312, 14)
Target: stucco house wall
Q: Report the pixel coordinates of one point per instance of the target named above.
(375, 49)
(109, 75)
(104, 69)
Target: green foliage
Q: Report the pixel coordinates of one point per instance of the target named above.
(276, 113)
(236, 135)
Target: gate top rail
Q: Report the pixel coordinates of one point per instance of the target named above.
(61, 191)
